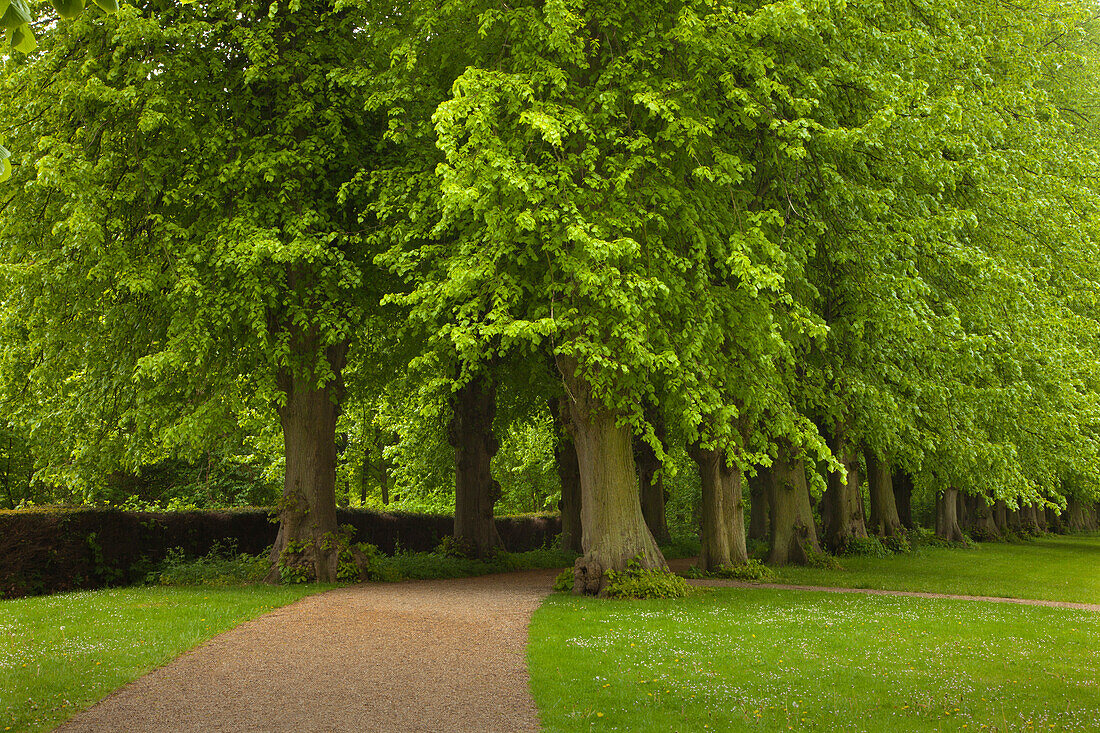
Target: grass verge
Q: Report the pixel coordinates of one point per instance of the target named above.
(768, 660)
(60, 654)
(1052, 568)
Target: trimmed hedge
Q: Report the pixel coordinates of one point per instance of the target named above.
(53, 550)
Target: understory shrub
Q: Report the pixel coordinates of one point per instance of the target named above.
(222, 566)
(897, 544)
(635, 581)
(864, 547)
(564, 581)
(757, 549)
(752, 570)
(404, 565)
(821, 560)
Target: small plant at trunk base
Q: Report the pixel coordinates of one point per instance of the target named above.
(636, 581)
(864, 547)
(294, 567)
(564, 581)
(451, 546)
(898, 544)
(923, 537)
(222, 566)
(758, 549)
(752, 570)
(823, 561)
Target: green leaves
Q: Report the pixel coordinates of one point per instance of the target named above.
(68, 8)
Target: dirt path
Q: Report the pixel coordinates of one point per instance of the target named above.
(441, 655)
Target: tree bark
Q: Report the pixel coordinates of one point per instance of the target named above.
(1028, 521)
(903, 498)
(723, 517)
(305, 544)
(1056, 521)
(471, 433)
(759, 491)
(947, 521)
(1000, 516)
(613, 530)
(884, 511)
(962, 509)
(1076, 520)
(569, 473)
(793, 535)
(1039, 514)
(842, 508)
(652, 486)
(982, 523)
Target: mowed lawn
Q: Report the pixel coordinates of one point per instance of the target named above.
(774, 660)
(1053, 568)
(770, 660)
(62, 653)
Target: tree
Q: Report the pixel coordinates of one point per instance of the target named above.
(179, 250)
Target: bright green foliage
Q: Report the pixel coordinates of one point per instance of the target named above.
(635, 581)
(174, 245)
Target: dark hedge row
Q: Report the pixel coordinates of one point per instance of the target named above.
(51, 550)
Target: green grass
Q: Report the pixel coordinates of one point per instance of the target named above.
(62, 653)
(769, 660)
(1053, 568)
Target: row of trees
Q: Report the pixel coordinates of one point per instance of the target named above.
(803, 240)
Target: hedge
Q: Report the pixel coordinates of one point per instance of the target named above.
(52, 550)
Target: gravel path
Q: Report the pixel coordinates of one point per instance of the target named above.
(440, 655)
(417, 657)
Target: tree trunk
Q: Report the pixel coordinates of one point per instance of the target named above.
(1000, 516)
(982, 524)
(792, 535)
(613, 530)
(903, 498)
(305, 547)
(947, 517)
(759, 494)
(1028, 521)
(652, 487)
(962, 514)
(1039, 514)
(842, 510)
(1075, 515)
(569, 473)
(1056, 521)
(884, 511)
(723, 517)
(471, 434)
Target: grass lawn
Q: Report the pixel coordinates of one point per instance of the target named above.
(62, 653)
(769, 660)
(1054, 568)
